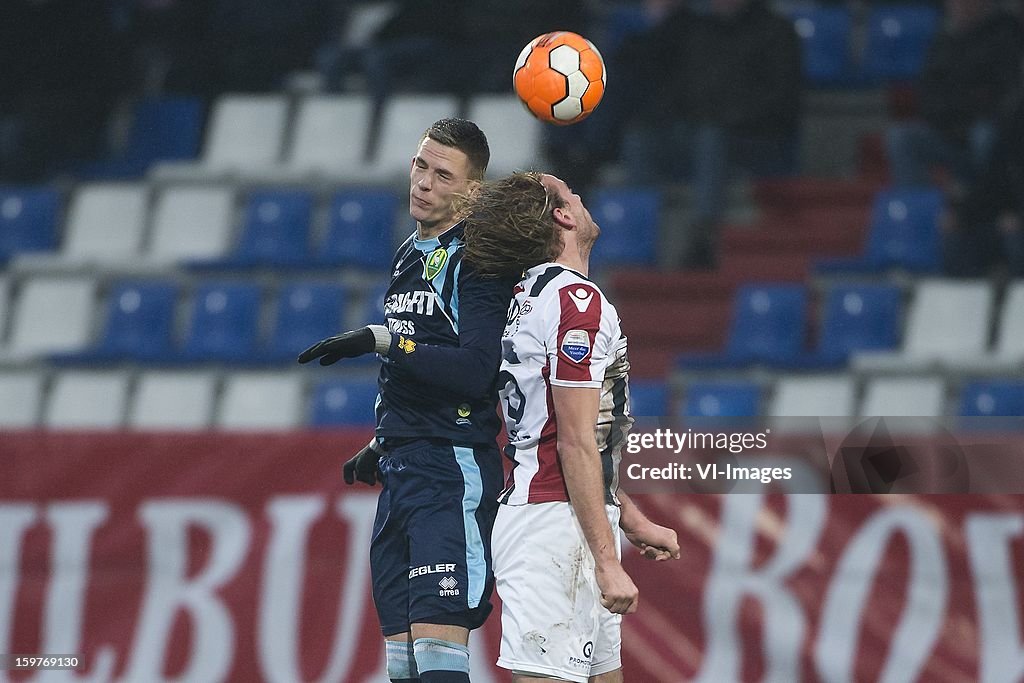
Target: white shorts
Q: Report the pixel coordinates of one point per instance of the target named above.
(552, 621)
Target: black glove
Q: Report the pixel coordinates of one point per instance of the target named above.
(363, 466)
(349, 345)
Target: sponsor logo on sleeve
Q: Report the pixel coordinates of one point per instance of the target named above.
(576, 345)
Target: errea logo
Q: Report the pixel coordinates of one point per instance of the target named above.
(448, 587)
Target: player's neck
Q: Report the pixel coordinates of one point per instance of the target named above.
(429, 232)
(574, 261)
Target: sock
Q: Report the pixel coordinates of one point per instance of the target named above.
(401, 661)
(441, 661)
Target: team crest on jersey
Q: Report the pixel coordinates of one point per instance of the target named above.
(576, 345)
(434, 263)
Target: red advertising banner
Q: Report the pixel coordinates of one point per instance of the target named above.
(243, 557)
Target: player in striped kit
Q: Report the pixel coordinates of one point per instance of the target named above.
(564, 391)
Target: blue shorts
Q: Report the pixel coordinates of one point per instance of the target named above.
(430, 557)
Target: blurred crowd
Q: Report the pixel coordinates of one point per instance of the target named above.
(715, 89)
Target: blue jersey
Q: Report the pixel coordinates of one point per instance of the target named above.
(438, 378)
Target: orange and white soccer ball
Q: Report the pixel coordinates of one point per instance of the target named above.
(560, 77)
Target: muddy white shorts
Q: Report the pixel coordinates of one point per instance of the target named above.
(552, 621)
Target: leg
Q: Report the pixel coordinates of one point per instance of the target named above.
(452, 508)
(401, 659)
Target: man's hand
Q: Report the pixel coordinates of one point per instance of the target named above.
(363, 466)
(656, 542)
(349, 345)
(619, 595)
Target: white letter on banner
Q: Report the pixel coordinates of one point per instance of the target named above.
(169, 588)
(14, 521)
(837, 647)
(73, 527)
(989, 537)
(283, 575)
(733, 578)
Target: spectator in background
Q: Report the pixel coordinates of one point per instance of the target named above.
(970, 70)
(986, 228)
(729, 99)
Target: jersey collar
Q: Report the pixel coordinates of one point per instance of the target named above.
(442, 240)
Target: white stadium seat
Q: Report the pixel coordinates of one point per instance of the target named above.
(173, 400)
(261, 400)
(87, 399)
(20, 394)
(405, 119)
(513, 135)
(330, 135)
(904, 397)
(51, 314)
(192, 222)
(246, 130)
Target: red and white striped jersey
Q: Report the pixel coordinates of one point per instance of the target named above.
(561, 331)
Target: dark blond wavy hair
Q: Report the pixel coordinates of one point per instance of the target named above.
(509, 224)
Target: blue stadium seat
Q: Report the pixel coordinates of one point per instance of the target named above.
(359, 229)
(306, 313)
(768, 325)
(342, 402)
(628, 218)
(275, 232)
(28, 220)
(139, 325)
(224, 323)
(722, 399)
(864, 317)
(992, 398)
(904, 234)
(648, 398)
(162, 129)
(825, 36)
(898, 38)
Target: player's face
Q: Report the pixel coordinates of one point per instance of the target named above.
(438, 174)
(588, 229)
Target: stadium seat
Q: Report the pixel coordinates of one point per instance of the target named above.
(28, 220)
(722, 399)
(306, 313)
(21, 393)
(162, 129)
(87, 399)
(261, 400)
(275, 232)
(1009, 346)
(106, 223)
(191, 222)
(992, 398)
(343, 402)
(513, 137)
(948, 323)
(897, 39)
(173, 400)
(904, 234)
(865, 317)
(245, 131)
(51, 314)
(904, 397)
(815, 396)
(648, 398)
(225, 323)
(629, 219)
(359, 229)
(403, 122)
(768, 326)
(330, 137)
(825, 36)
(139, 325)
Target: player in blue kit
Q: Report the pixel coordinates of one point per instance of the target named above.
(434, 448)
